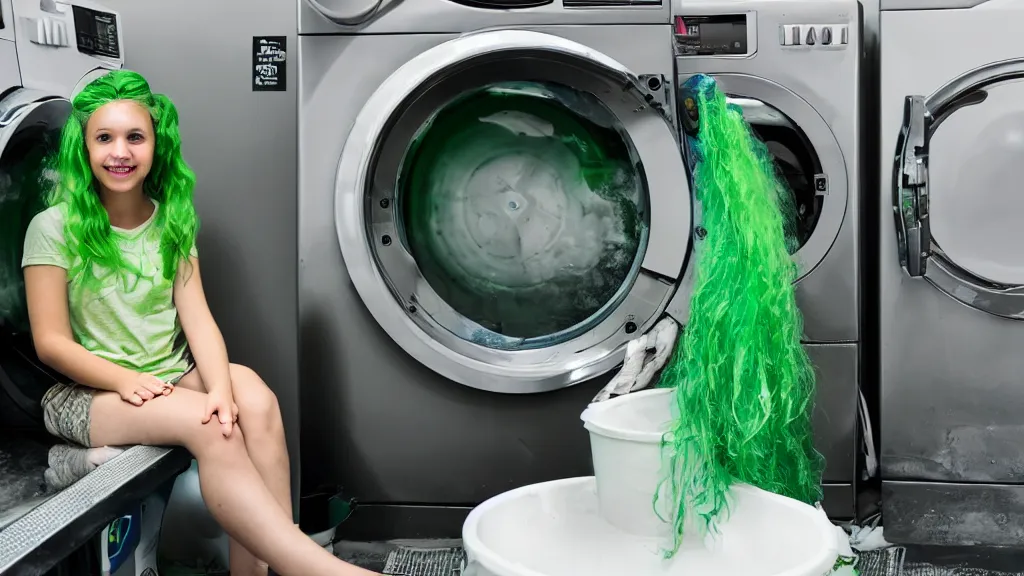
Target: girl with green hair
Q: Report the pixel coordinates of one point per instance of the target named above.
(116, 304)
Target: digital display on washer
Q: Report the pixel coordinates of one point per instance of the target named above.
(711, 35)
(96, 32)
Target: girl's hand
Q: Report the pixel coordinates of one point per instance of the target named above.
(144, 387)
(223, 404)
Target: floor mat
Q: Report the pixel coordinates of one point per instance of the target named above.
(448, 562)
(415, 562)
(916, 569)
(891, 562)
(885, 562)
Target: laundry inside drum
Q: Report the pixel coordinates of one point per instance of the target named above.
(525, 208)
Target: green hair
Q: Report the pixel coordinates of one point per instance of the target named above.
(744, 386)
(170, 182)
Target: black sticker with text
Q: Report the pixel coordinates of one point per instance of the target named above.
(269, 66)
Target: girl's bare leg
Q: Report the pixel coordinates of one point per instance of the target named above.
(259, 418)
(232, 488)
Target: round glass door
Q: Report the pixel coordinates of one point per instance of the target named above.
(808, 161)
(29, 136)
(955, 178)
(976, 174)
(518, 215)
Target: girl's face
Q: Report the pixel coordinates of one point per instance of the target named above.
(120, 140)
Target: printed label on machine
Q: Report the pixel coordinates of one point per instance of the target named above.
(269, 55)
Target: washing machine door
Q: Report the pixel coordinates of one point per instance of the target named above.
(30, 126)
(956, 188)
(512, 208)
(807, 157)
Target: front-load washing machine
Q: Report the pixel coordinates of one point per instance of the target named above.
(492, 203)
(793, 67)
(49, 49)
(952, 271)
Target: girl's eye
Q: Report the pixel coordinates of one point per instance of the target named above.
(135, 138)
(103, 138)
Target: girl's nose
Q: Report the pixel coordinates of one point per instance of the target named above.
(120, 149)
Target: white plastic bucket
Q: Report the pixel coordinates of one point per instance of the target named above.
(625, 444)
(554, 529)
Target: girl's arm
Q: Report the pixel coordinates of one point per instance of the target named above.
(46, 290)
(204, 337)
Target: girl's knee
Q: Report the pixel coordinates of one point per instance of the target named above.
(260, 404)
(257, 403)
(209, 439)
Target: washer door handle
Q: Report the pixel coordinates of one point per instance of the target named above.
(911, 187)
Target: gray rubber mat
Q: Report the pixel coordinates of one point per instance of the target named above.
(414, 562)
(915, 569)
(448, 562)
(890, 562)
(886, 562)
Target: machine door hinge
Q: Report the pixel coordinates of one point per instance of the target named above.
(655, 90)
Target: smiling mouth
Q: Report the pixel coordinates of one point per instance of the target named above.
(120, 171)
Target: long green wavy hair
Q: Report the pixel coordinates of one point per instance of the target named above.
(744, 384)
(170, 182)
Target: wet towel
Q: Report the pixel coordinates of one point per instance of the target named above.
(645, 357)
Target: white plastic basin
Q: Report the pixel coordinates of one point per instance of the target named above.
(554, 529)
(625, 443)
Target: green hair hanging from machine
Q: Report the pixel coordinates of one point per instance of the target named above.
(744, 384)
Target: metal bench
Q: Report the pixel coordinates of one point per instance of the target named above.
(49, 531)
(38, 530)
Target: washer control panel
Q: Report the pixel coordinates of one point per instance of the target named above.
(814, 35)
(97, 32)
(715, 35)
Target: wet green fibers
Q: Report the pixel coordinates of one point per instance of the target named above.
(744, 385)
